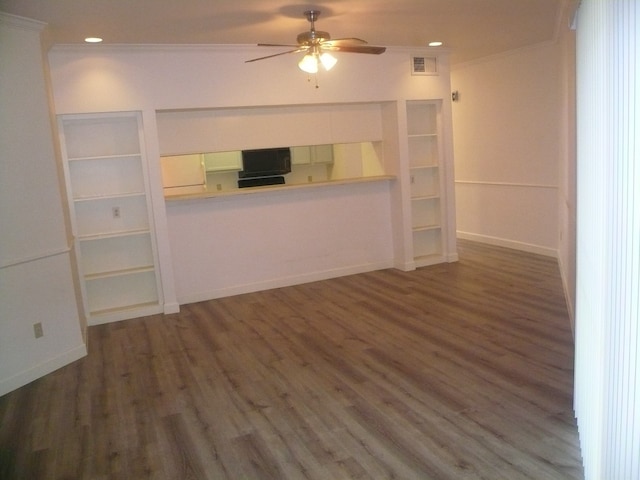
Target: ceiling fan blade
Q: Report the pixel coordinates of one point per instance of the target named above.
(357, 49)
(277, 45)
(314, 42)
(276, 55)
(344, 41)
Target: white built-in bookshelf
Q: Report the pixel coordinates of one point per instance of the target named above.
(107, 188)
(425, 166)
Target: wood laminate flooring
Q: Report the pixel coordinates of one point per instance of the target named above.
(455, 371)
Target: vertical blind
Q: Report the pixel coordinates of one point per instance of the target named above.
(607, 383)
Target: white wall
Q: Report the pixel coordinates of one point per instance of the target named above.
(272, 239)
(508, 148)
(109, 78)
(350, 235)
(36, 279)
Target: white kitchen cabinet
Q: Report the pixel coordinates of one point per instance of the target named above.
(312, 155)
(182, 171)
(223, 161)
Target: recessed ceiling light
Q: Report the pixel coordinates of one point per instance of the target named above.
(435, 44)
(93, 39)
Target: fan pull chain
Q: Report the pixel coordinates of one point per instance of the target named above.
(316, 78)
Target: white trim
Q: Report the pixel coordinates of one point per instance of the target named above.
(283, 282)
(567, 294)
(505, 184)
(33, 258)
(21, 22)
(501, 55)
(405, 266)
(173, 307)
(274, 189)
(42, 369)
(119, 315)
(219, 47)
(504, 242)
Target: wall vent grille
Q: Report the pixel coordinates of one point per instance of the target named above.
(421, 65)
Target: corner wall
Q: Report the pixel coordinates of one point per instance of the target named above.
(507, 143)
(36, 277)
(515, 154)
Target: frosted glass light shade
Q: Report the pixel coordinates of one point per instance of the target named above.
(310, 61)
(309, 64)
(328, 61)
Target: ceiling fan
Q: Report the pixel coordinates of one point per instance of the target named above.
(317, 45)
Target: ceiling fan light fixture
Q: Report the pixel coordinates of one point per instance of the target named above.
(309, 63)
(315, 43)
(328, 61)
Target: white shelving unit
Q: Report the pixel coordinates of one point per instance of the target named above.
(426, 179)
(107, 187)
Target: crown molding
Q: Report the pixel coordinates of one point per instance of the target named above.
(21, 22)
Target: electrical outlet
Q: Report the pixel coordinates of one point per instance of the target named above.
(116, 212)
(37, 330)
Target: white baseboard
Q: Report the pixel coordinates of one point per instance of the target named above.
(405, 266)
(125, 314)
(567, 294)
(503, 242)
(171, 308)
(27, 376)
(282, 282)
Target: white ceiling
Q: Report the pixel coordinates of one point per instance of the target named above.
(470, 28)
